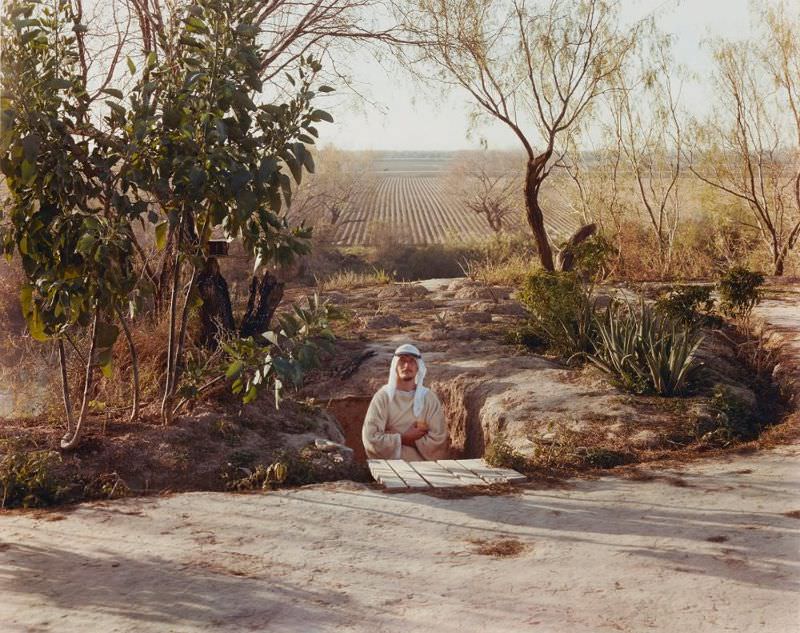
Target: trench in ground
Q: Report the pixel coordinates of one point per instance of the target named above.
(351, 411)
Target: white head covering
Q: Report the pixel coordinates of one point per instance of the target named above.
(391, 386)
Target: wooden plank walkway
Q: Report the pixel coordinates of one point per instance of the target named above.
(446, 473)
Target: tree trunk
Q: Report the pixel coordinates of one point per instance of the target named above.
(534, 213)
(62, 361)
(268, 294)
(67, 442)
(134, 366)
(166, 403)
(779, 262)
(566, 258)
(216, 313)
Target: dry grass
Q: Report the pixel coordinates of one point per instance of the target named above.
(498, 548)
(350, 279)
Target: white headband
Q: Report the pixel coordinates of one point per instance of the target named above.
(391, 386)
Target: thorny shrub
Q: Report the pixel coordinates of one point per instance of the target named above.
(739, 291)
(561, 311)
(689, 304)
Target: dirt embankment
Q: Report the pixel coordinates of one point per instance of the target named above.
(538, 403)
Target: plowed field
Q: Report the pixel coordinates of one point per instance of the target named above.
(417, 209)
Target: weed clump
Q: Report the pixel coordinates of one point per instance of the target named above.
(732, 420)
(501, 454)
(28, 478)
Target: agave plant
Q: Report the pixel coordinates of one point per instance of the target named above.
(644, 350)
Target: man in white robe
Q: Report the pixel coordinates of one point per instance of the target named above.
(405, 420)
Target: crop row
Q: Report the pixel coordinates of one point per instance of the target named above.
(418, 210)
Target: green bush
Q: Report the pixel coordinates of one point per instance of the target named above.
(691, 305)
(645, 351)
(561, 311)
(27, 478)
(739, 291)
(593, 257)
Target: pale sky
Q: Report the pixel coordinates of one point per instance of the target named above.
(409, 118)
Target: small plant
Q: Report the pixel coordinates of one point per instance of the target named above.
(739, 291)
(525, 335)
(295, 348)
(561, 310)
(501, 454)
(691, 305)
(442, 320)
(27, 478)
(646, 352)
(600, 457)
(732, 419)
(560, 451)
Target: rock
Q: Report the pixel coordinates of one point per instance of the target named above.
(384, 321)
(476, 292)
(510, 308)
(407, 291)
(644, 439)
(422, 304)
(475, 317)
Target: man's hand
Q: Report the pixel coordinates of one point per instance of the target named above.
(412, 435)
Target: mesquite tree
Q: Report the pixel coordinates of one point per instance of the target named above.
(538, 67)
(749, 148)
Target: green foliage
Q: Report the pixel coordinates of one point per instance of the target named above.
(213, 156)
(733, 419)
(27, 478)
(501, 454)
(739, 291)
(593, 257)
(283, 356)
(562, 311)
(192, 148)
(691, 305)
(645, 351)
(66, 218)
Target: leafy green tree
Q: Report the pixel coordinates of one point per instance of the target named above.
(196, 148)
(65, 218)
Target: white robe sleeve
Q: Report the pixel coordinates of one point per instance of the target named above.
(377, 442)
(434, 445)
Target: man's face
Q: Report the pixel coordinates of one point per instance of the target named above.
(406, 367)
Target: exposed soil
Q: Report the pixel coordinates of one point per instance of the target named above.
(570, 420)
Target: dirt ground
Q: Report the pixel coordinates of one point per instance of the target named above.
(705, 546)
(714, 546)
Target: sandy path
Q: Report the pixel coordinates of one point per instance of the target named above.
(715, 547)
(706, 549)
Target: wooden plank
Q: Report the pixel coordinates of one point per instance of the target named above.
(385, 474)
(491, 474)
(436, 475)
(464, 474)
(409, 475)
